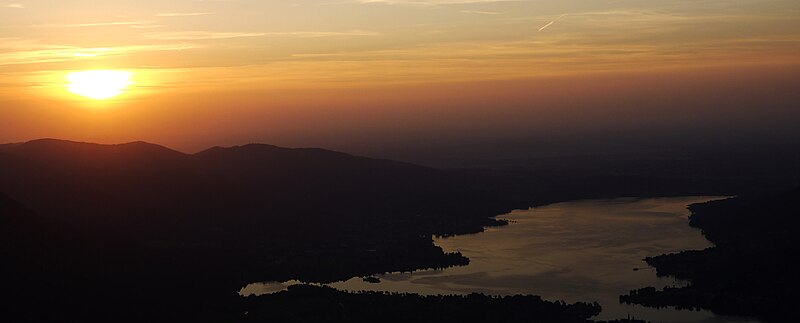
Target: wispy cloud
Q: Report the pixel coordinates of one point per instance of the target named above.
(98, 24)
(552, 22)
(197, 35)
(479, 12)
(314, 34)
(29, 52)
(11, 5)
(208, 35)
(183, 14)
(430, 2)
(147, 26)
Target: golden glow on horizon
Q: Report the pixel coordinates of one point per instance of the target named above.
(305, 72)
(98, 84)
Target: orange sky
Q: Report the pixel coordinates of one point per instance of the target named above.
(349, 74)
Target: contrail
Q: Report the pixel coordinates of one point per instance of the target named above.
(552, 22)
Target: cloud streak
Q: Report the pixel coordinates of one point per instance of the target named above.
(134, 24)
(25, 52)
(479, 12)
(430, 2)
(551, 22)
(208, 35)
(183, 14)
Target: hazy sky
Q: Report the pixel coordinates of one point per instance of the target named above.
(352, 74)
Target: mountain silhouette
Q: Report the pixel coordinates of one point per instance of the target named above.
(81, 217)
(152, 187)
(251, 201)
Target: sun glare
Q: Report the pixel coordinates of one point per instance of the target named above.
(100, 84)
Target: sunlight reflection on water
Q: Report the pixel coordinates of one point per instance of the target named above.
(573, 251)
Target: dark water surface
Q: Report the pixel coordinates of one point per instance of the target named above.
(573, 251)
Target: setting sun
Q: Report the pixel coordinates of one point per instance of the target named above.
(98, 85)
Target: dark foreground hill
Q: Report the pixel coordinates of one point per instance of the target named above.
(57, 273)
(277, 213)
(138, 231)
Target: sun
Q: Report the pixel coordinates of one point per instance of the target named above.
(98, 84)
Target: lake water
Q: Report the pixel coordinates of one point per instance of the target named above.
(573, 251)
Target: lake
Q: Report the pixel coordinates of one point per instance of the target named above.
(574, 251)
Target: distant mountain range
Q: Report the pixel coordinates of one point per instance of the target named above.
(149, 186)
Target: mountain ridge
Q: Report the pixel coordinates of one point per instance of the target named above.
(156, 194)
